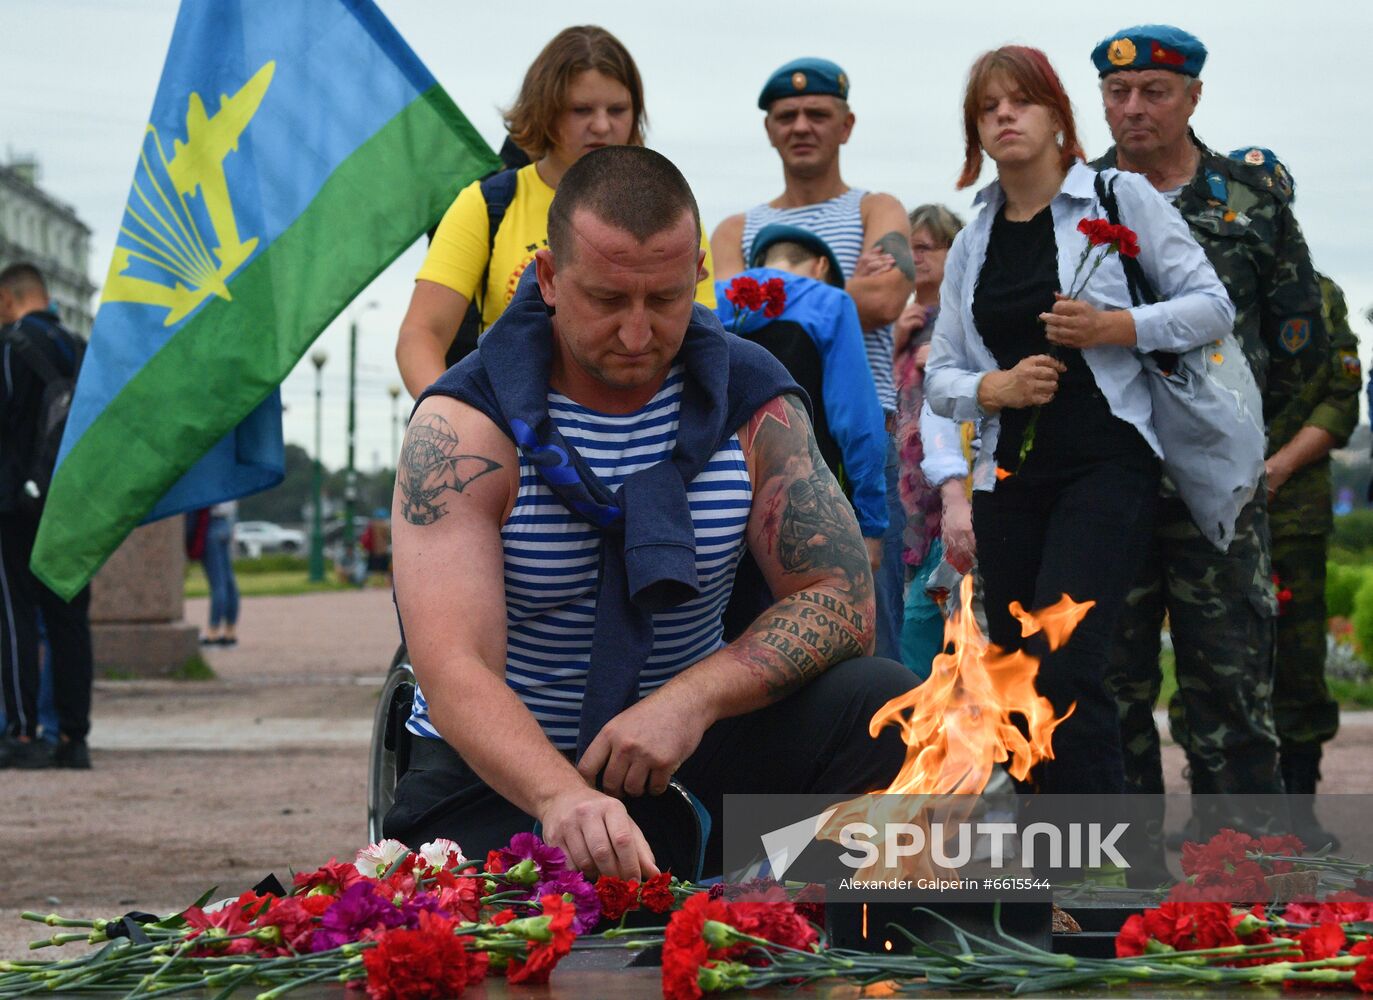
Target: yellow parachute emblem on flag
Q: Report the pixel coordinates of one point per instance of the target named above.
(161, 235)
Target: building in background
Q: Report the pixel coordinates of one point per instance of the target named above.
(36, 227)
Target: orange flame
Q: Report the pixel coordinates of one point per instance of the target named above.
(960, 723)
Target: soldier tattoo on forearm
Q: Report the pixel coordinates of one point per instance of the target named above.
(812, 629)
(432, 463)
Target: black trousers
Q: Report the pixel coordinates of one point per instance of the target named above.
(22, 598)
(813, 741)
(1080, 532)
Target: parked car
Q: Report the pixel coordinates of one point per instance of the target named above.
(253, 538)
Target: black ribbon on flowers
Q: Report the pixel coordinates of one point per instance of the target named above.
(648, 545)
(127, 926)
(270, 886)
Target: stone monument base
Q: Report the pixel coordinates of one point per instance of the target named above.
(138, 625)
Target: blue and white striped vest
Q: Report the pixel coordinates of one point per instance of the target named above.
(551, 559)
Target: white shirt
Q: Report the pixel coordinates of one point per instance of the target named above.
(1194, 308)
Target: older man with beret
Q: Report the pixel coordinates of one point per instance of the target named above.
(1221, 606)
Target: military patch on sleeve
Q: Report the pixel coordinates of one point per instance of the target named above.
(1350, 361)
(1295, 334)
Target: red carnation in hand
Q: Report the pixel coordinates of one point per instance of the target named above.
(1101, 233)
(544, 955)
(745, 293)
(617, 896)
(656, 895)
(427, 963)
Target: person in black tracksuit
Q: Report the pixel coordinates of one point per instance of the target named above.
(24, 307)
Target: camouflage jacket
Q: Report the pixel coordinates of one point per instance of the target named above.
(1242, 218)
(1330, 402)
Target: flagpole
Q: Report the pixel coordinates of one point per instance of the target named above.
(394, 390)
(350, 481)
(318, 357)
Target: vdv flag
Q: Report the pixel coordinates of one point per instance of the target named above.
(293, 151)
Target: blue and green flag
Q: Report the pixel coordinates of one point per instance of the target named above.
(294, 149)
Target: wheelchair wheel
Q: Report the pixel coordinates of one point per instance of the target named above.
(390, 741)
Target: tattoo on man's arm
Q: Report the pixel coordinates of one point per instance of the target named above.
(810, 526)
(799, 638)
(900, 249)
(431, 463)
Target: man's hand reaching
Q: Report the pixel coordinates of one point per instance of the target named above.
(597, 835)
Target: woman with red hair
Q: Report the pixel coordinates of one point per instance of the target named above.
(1067, 476)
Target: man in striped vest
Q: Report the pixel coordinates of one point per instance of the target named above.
(808, 119)
(571, 504)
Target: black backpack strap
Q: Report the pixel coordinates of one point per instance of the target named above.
(32, 355)
(498, 191)
(1141, 289)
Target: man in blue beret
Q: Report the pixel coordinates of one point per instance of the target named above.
(1221, 607)
(808, 119)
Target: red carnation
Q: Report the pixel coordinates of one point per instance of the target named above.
(332, 878)
(1363, 972)
(745, 293)
(462, 899)
(775, 922)
(617, 896)
(427, 963)
(776, 292)
(1191, 926)
(1133, 938)
(1127, 243)
(544, 955)
(1325, 941)
(684, 949)
(495, 864)
(656, 895)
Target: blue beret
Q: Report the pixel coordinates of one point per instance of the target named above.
(805, 76)
(778, 232)
(1150, 46)
(1266, 160)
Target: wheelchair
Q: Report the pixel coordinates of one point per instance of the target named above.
(389, 755)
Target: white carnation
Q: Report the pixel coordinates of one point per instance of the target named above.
(375, 860)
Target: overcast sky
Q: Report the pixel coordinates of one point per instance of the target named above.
(77, 78)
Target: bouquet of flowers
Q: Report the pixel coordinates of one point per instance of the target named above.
(1103, 239)
(409, 925)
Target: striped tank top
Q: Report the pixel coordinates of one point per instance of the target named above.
(839, 222)
(551, 560)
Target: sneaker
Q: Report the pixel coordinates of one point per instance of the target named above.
(31, 755)
(72, 753)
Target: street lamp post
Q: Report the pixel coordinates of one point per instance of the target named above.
(317, 357)
(350, 480)
(394, 390)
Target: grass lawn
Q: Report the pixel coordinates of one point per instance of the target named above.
(1350, 694)
(271, 583)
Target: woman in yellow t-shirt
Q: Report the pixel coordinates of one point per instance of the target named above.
(582, 92)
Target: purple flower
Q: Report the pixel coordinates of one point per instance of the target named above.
(357, 910)
(583, 894)
(411, 908)
(522, 846)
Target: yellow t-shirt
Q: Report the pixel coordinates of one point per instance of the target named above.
(457, 255)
